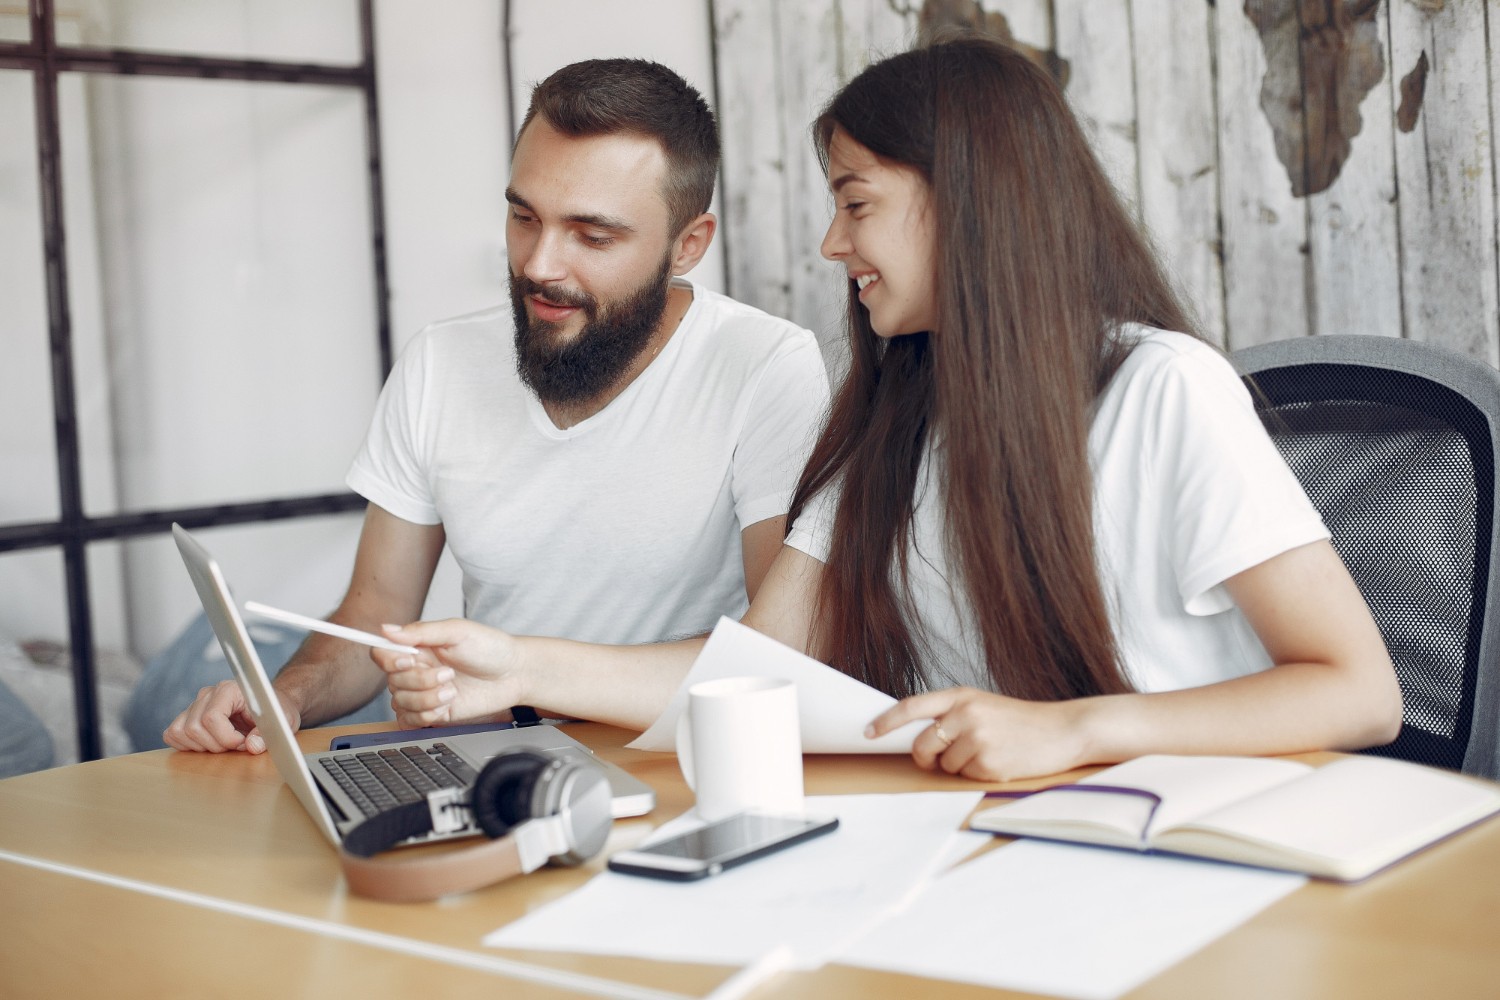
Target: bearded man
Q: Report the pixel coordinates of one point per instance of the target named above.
(611, 457)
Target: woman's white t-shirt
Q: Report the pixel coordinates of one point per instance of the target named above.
(1189, 490)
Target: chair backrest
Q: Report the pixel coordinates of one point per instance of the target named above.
(1396, 444)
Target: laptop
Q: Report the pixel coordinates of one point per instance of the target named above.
(339, 788)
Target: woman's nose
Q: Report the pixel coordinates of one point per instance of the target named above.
(835, 243)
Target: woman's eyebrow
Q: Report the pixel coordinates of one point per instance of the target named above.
(838, 182)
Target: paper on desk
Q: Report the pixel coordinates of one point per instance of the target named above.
(812, 897)
(834, 707)
(1065, 920)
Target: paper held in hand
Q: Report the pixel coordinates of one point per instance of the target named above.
(834, 708)
(1343, 821)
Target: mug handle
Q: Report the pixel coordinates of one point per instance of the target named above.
(685, 746)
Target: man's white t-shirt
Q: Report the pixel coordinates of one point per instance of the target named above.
(1189, 490)
(624, 528)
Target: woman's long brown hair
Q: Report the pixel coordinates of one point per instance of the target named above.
(1037, 265)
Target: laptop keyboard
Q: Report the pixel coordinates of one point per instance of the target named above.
(378, 780)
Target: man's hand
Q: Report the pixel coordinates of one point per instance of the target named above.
(219, 720)
(466, 672)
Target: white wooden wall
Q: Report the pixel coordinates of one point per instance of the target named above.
(1402, 243)
(779, 61)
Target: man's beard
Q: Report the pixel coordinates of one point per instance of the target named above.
(595, 360)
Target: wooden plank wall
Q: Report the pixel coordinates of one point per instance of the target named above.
(1387, 111)
(779, 61)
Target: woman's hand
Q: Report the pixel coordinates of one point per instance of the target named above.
(465, 672)
(989, 737)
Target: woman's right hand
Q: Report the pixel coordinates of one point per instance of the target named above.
(465, 672)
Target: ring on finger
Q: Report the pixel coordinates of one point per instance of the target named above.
(937, 727)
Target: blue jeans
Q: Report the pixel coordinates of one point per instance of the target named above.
(194, 660)
(25, 744)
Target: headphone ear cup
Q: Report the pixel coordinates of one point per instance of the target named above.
(502, 793)
(580, 795)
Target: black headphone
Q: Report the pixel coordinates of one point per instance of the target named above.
(534, 808)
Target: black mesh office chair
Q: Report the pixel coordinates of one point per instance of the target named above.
(1396, 444)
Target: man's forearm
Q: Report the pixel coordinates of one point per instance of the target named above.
(327, 678)
(393, 567)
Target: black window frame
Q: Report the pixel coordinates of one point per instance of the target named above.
(74, 530)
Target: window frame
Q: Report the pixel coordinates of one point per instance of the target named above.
(73, 531)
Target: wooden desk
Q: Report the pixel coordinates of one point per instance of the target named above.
(168, 874)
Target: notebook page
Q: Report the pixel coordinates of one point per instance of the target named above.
(1363, 811)
(1193, 786)
(1188, 787)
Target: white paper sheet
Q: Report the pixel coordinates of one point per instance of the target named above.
(834, 707)
(1066, 921)
(812, 897)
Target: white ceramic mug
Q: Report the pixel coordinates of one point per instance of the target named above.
(739, 744)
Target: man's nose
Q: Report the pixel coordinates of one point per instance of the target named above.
(546, 262)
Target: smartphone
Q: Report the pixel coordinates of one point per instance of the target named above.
(718, 846)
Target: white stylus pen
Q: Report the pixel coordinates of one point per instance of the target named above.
(327, 628)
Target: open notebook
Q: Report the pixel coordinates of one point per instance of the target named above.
(1343, 821)
(339, 788)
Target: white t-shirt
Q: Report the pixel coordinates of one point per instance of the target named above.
(1189, 490)
(624, 528)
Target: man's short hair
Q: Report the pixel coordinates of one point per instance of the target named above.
(609, 96)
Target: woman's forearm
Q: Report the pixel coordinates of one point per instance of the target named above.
(1289, 708)
(625, 686)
